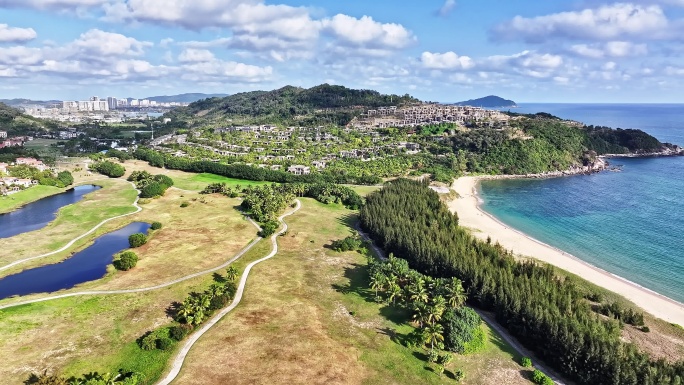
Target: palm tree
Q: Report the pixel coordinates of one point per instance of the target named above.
(455, 295)
(436, 309)
(432, 334)
(232, 273)
(420, 313)
(393, 291)
(185, 310)
(378, 281)
(418, 292)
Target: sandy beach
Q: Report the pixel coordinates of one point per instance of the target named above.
(471, 216)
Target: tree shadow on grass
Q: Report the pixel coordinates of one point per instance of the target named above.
(172, 310)
(395, 314)
(348, 220)
(218, 278)
(358, 282)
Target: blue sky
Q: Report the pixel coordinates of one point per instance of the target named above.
(439, 50)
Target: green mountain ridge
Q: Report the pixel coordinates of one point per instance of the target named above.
(323, 104)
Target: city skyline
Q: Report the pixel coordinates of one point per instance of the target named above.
(447, 51)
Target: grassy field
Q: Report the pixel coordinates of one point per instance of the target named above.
(307, 317)
(83, 334)
(43, 147)
(187, 180)
(114, 198)
(14, 201)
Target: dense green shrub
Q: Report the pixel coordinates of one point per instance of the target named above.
(164, 343)
(347, 244)
(66, 178)
(148, 341)
(180, 331)
(184, 204)
(137, 240)
(127, 260)
(526, 362)
(462, 331)
(108, 168)
(268, 228)
(538, 377)
(153, 189)
(156, 225)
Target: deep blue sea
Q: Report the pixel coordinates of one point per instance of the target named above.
(630, 223)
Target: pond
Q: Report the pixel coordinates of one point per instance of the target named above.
(86, 265)
(38, 214)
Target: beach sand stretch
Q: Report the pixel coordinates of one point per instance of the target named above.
(470, 215)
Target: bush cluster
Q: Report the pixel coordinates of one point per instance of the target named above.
(110, 169)
(126, 261)
(137, 240)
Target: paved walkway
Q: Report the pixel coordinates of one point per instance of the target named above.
(126, 291)
(180, 357)
(68, 245)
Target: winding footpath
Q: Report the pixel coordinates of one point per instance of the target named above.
(71, 243)
(150, 288)
(180, 358)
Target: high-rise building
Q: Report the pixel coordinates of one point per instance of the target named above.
(134, 103)
(144, 103)
(113, 103)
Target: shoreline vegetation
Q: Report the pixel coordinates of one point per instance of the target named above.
(471, 215)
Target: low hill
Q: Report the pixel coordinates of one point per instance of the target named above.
(490, 101)
(184, 98)
(28, 102)
(288, 105)
(16, 122)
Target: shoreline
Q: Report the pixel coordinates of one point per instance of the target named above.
(471, 215)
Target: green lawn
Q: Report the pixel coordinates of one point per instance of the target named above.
(43, 147)
(200, 181)
(14, 201)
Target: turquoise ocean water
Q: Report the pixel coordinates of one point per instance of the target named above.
(630, 223)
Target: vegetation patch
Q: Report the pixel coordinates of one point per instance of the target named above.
(110, 169)
(546, 313)
(126, 261)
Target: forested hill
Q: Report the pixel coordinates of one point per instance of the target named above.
(288, 105)
(15, 122)
(542, 143)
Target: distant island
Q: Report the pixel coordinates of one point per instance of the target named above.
(490, 101)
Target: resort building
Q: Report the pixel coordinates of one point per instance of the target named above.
(299, 170)
(32, 162)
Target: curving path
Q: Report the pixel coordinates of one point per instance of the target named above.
(68, 245)
(180, 358)
(143, 289)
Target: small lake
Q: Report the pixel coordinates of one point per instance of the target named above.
(38, 214)
(86, 265)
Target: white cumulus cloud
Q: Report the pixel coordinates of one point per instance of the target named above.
(16, 35)
(607, 22)
(369, 33)
(447, 60)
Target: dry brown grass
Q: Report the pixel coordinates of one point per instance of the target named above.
(294, 325)
(82, 334)
(115, 198)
